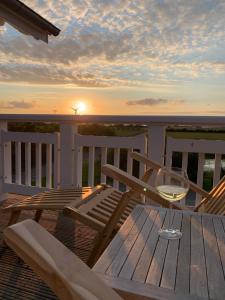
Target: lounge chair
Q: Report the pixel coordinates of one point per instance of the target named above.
(52, 200)
(105, 213)
(57, 199)
(59, 268)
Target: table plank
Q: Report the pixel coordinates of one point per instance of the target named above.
(184, 256)
(133, 290)
(111, 251)
(156, 267)
(220, 235)
(198, 278)
(213, 263)
(117, 263)
(170, 266)
(145, 259)
(130, 264)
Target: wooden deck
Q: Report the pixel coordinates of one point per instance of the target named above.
(17, 280)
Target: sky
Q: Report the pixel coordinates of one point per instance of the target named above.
(142, 57)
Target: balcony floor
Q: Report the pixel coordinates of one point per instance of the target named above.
(17, 280)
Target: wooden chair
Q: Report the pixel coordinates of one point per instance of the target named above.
(60, 269)
(103, 208)
(73, 198)
(105, 213)
(64, 273)
(52, 200)
(212, 202)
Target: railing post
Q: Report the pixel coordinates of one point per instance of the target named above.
(156, 147)
(5, 160)
(67, 134)
(156, 143)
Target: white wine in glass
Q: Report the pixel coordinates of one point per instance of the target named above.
(171, 192)
(172, 184)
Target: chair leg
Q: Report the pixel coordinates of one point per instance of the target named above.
(14, 217)
(96, 252)
(38, 215)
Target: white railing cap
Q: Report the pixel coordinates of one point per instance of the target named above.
(131, 119)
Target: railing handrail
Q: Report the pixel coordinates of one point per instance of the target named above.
(125, 119)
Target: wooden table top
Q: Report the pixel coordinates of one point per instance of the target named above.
(193, 266)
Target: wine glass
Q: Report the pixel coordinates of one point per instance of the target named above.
(171, 184)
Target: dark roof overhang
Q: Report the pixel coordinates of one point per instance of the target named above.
(26, 20)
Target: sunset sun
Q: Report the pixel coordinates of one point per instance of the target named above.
(79, 107)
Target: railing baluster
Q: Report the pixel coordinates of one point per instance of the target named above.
(201, 162)
(184, 160)
(28, 164)
(217, 170)
(116, 164)
(49, 165)
(78, 165)
(129, 162)
(91, 166)
(18, 162)
(38, 165)
(143, 151)
(169, 158)
(5, 162)
(7, 154)
(184, 167)
(103, 162)
(57, 160)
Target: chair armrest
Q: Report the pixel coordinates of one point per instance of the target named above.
(145, 160)
(65, 273)
(136, 184)
(152, 164)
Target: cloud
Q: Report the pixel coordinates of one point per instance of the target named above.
(46, 75)
(120, 42)
(21, 104)
(153, 102)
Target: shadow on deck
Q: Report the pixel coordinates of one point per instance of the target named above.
(17, 280)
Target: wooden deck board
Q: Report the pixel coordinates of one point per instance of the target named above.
(17, 280)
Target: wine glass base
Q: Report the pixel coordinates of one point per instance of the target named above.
(170, 234)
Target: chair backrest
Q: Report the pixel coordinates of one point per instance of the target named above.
(214, 203)
(63, 272)
(155, 166)
(135, 184)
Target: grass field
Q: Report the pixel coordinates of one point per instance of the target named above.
(207, 135)
(197, 135)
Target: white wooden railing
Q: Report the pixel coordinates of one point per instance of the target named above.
(102, 144)
(201, 147)
(14, 184)
(66, 151)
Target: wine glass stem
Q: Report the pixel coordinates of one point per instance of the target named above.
(170, 216)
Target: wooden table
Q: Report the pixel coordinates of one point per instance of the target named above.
(139, 260)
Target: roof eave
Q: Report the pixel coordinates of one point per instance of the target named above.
(26, 20)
